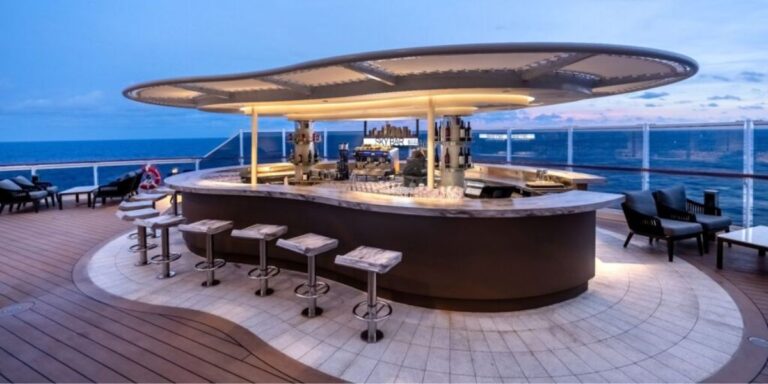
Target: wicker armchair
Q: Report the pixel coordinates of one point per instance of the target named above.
(672, 203)
(643, 219)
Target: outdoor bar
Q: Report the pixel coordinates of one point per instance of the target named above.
(473, 236)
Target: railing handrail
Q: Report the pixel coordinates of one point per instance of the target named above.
(97, 163)
(670, 171)
(223, 143)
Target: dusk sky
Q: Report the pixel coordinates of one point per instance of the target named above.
(65, 63)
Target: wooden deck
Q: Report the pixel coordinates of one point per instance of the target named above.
(73, 333)
(70, 336)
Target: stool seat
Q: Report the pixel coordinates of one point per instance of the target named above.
(308, 244)
(260, 232)
(370, 259)
(134, 205)
(137, 214)
(161, 222)
(149, 196)
(208, 227)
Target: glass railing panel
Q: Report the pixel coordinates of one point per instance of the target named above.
(227, 154)
(353, 138)
(698, 148)
(68, 177)
(760, 210)
(12, 174)
(610, 148)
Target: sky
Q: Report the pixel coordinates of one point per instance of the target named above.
(65, 63)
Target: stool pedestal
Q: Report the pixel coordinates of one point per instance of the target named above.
(263, 272)
(209, 228)
(310, 245)
(166, 257)
(371, 310)
(142, 246)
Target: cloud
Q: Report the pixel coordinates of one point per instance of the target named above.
(715, 77)
(724, 97)
(752, 76)
(751, 107)
(710, 105)
(82, 101)
(652, 105)
(650, 95)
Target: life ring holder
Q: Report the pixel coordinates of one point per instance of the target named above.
(152, 178)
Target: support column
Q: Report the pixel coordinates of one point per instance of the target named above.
(569, 150)
(646, 155)
(325, 142)
(748, 186)
(509, 145)
(282, 130)
(242, 151)
(254, 146)
(430, 144)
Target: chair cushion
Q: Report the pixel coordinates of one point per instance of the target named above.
(23, 181)
(37, 195)
(9, 185)
(680, 228)
(641, 201)
(713, 223)
(52, 190)
(673, 197)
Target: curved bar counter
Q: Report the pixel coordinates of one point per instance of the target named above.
(470, 254)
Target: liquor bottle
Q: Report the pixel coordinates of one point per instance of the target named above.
(437, 132)
(462, 135)
(309, 157)
(315, 156)
(447, 158)
(447, 131)
(461, 157)
(469, 131)
(301, 160)
(469, 157)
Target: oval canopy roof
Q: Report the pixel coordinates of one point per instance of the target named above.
(458, 79)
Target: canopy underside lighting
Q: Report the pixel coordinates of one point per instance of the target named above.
(461, 80)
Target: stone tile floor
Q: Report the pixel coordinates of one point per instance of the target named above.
(642, 320)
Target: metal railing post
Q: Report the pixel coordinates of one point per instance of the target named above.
(509, 146)
(197, 165)
(646, 155)
(241, 147)
(748, 169)
(95, 175)
(33, 171)
(569, 149)
(282, 130)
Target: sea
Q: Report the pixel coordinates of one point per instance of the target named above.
(709, 150)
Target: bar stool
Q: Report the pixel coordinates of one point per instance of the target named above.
(146, 196)
(141, 247)
(164, 223)
(375, 261)
(262, 272)
(310, 245)
(209, 228)
(134, 205)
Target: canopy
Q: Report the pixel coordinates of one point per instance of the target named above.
(458, 79)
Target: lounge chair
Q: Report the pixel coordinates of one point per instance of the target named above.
(26, 184)
(11, 193)
(121, 187)
(643, 219)
(672, 203)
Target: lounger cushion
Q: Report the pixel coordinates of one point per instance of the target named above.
(713, 223)
(23, 181)
(9, 185)
(673, 197)
(641, 201)
(676, 228)
(37, 195)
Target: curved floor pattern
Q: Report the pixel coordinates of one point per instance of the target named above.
(642, 319)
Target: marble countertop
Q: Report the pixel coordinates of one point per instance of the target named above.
(225, 181)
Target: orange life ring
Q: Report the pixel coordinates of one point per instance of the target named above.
(152, 178)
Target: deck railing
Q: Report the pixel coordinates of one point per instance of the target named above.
(729, 156)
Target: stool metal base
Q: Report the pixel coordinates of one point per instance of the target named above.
(158, 259)
(268, 292)
(140, 263)
(304, 290)
(318, 312)
(162, 276)
(378, 336)
(210, 283)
